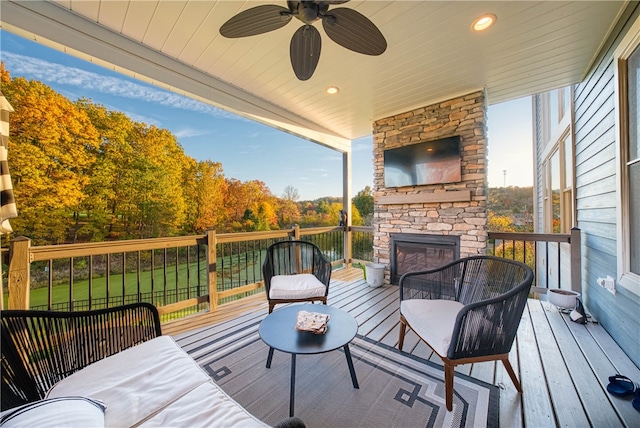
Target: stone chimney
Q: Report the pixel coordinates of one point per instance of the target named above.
(452, 209)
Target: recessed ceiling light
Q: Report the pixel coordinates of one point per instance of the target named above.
(331, 90)
(484, 22)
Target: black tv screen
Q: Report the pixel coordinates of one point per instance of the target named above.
(429, 162)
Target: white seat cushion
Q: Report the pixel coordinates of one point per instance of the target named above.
(136, 382)
(432, 320)
(206, 406)
(299, 286)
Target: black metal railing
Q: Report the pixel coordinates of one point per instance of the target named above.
(554, 258)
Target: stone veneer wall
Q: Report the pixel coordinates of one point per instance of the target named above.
(443, 209)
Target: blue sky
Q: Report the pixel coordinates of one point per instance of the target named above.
(248, 150)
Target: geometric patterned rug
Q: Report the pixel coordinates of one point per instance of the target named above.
(396, 388)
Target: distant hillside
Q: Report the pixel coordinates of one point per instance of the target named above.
(511, 200)
(514, 205)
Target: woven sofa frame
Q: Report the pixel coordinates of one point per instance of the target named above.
(39, 348)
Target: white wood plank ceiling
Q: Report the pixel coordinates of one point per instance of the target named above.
(432, 55)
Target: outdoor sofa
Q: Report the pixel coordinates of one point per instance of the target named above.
(107, 367)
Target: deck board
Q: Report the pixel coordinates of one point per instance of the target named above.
(563, 366)
(559, 383)
(598, 411)
(537, 409)
(510, 400)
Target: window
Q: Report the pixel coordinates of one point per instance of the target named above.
(556, 106)
(558, 210)
(628, 72)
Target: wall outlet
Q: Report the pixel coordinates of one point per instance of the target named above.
(608, 283)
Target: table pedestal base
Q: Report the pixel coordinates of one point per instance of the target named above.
(292, 390)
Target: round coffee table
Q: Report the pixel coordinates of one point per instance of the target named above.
(278, 331)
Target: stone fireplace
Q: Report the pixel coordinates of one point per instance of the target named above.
(420, 227)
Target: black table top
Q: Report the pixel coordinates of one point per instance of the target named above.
(278, 330)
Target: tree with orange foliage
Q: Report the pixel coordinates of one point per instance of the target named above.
(53, 147)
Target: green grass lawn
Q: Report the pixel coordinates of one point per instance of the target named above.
(61, 294)
(229, 276)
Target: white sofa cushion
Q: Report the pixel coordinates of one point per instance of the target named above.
(206, 406)
(137, 382)
(62, 412)
(299, 286)
(432, 320)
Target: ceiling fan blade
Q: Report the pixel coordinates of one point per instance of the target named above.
(354, 31)
(257, 20)
(305, 51)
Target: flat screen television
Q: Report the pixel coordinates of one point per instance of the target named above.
(428, 162)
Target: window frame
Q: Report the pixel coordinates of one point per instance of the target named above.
(555, 143)
(626, 279)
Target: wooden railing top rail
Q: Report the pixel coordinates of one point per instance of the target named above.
(361, 228)
(251, 236)
(51, 252)
(518, 236)
(319, 230)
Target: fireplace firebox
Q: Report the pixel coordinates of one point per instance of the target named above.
(412, 251)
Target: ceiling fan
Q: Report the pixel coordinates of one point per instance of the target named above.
(344, 26)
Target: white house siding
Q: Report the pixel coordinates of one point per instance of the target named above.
(596, 200)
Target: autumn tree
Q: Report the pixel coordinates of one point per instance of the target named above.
(288, 213)
(290, 194)
(363, 201)
(136, 185)
(53, 148)
(107, 195)
(205, 190)
(158, 164)
(250, 206)
(500, 223)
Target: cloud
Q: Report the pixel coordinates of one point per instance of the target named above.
(49, 72)
(190, 132)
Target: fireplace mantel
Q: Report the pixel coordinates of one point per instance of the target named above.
(413, 198)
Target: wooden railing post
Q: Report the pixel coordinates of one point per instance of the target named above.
(19, 279)
(212, 270)
(348, 246)
(576, 260)
(296, 232)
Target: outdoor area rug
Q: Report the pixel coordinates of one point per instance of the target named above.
(396, 388)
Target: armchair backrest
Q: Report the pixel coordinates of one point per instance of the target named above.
(295, 257)
(485, 277)
(39, 348)
(495, 292)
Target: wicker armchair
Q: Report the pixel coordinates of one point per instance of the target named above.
(39, 348)
(467, 311)
(295, 271)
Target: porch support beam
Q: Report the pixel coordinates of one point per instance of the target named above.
(346, 205)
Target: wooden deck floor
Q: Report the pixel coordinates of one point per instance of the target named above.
(563, 366)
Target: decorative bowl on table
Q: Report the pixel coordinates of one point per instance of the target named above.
(312, 322)
(565, 299)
